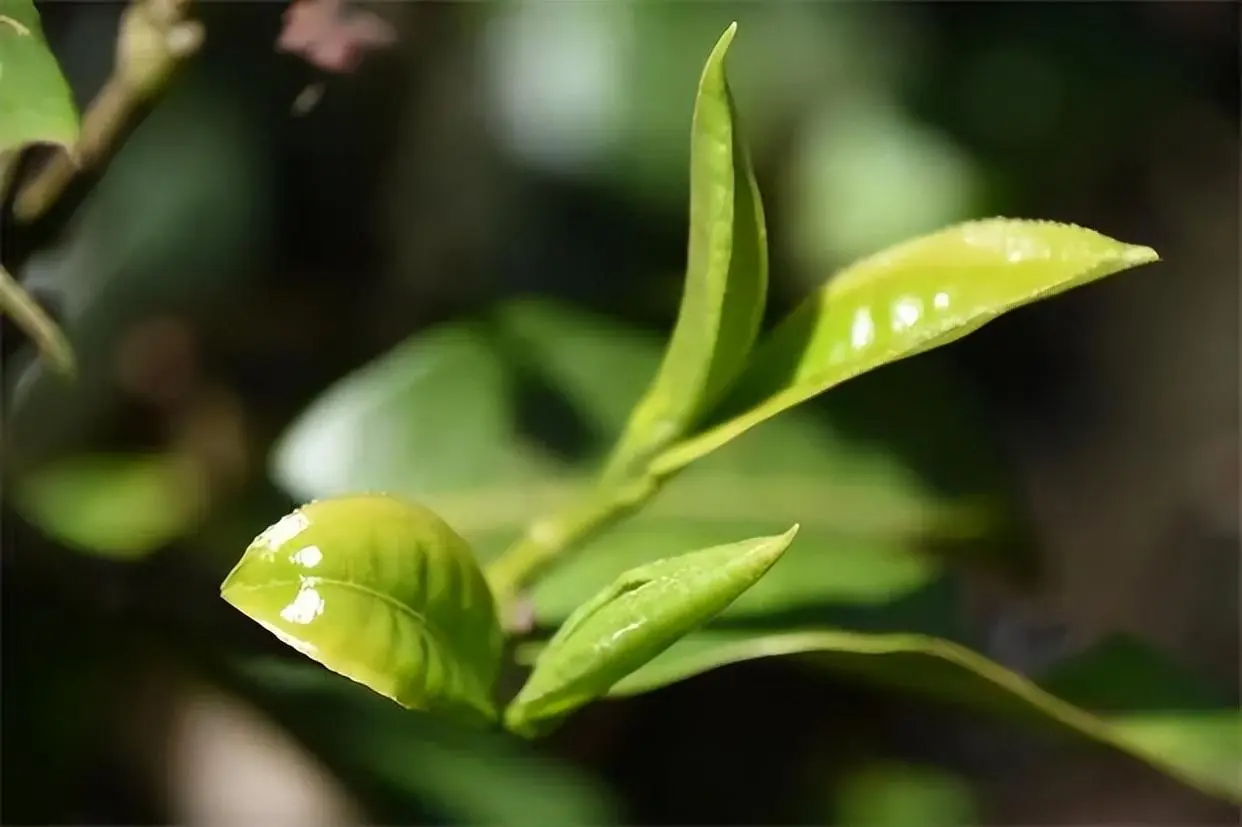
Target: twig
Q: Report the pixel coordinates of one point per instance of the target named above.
(30, 317)
(549, 541)
(154, 38)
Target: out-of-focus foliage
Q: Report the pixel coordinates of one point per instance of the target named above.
(123, 506)
(36, 105)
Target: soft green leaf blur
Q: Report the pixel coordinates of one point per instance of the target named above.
(640, 614)
(36, 105)
(382, 591)
(116, 506)
(893, 795)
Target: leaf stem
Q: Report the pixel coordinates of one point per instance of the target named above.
(549, 540)
(30, 317)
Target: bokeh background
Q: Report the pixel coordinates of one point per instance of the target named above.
(271, 226)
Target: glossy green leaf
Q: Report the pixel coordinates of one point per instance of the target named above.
(905, 300)
(381, 591)
(1119, 693)
(641, 614)
(726, 276)
(409, 764)
(36, 105)
(863, 583)
(120, 506)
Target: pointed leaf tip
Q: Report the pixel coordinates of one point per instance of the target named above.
(902, 301)
(642, 613)
(726, 279)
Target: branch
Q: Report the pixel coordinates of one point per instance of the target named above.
(154, 38)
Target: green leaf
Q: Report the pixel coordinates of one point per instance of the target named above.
(404, 762)
(726, 277)
(1120, 694)
(36, 105)
(905, 300)
(431, 415)
(381, 591)
(641, 614)
(863, 583)
(896, 795)
(119, 506)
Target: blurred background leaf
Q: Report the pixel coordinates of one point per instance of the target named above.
(36, 105)
(120, 506)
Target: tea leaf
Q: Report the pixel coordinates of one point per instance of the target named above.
(381, 591)
(726, 277)
(641, 614)
(905, 300)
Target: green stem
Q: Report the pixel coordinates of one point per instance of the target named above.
(19, 305)
(550, 540)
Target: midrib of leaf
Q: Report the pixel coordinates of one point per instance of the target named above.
(418, 618)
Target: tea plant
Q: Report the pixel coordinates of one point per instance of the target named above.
(432, 613)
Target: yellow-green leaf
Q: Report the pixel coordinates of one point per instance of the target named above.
(625, 625)
(382, 591)
(905, 300)
(726, 277)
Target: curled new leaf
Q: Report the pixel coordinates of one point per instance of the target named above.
(726, 276)
(642, 613)
(905, 300)
(382, 591)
